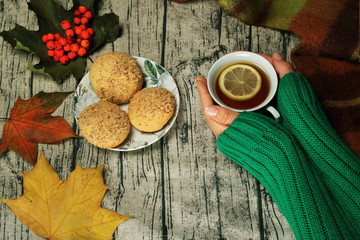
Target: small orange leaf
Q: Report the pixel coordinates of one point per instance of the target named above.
(31, 123)
(69, 209)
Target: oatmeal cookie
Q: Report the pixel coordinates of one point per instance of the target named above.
(104, 124)
(151, 108)
(116, 77)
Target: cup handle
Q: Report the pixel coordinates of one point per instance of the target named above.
(274, 112)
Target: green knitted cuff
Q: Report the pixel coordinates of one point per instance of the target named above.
(302, 114)
(273, 155)
(250, 141)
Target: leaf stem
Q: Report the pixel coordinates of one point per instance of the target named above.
(4, 118)
(90, 59)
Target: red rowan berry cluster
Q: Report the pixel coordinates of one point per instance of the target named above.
(77, 41)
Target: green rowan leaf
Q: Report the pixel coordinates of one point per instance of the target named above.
(31, 67)
(50, 14)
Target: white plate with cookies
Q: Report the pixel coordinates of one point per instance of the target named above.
(154, 76)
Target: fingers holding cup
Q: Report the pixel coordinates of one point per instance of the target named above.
(218, 118)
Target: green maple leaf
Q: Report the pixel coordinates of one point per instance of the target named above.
(50, 15)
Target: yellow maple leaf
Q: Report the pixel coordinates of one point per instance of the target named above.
(65, 210)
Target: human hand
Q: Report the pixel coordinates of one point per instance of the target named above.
(281, 66)
(219, 118)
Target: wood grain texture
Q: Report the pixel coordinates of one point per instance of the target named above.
(181, 187)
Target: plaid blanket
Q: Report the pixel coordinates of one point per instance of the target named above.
(328, 54)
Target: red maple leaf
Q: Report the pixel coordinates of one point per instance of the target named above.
(31, 123)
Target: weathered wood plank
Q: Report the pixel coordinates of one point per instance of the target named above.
(191, 168)
(14, 83)
(138, 191)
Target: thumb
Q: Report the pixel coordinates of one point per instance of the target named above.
(221, 115)
(281, 66)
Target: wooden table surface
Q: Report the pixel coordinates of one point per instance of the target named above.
(180, 187)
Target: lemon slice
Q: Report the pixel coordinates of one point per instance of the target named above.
(240, 82)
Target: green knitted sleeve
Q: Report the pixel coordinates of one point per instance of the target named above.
(275, 156)
(338, 165)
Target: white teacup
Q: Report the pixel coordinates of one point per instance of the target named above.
(250, 58)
